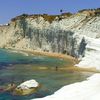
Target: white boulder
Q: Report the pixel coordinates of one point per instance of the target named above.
(29, 84)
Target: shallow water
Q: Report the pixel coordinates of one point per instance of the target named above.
(18, 67)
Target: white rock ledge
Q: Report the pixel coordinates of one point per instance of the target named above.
(86, 90)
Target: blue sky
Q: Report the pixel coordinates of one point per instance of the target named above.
(12, 8)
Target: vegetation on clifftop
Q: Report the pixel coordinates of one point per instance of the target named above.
(47, 17)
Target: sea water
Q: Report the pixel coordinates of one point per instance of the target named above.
(17, 67)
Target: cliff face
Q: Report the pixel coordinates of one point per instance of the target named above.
(64, 33)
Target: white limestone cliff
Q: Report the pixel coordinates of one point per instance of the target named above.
(85, 90)
(77, 35)
(71, 35)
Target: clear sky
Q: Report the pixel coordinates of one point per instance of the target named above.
(12, 8)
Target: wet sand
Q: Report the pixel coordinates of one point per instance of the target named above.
(55, 55)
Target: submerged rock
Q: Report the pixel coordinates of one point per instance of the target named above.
(9, 87)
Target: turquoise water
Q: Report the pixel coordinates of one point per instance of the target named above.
(18, 67)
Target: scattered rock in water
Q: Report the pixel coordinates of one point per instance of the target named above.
(26, 88)
(10, 87)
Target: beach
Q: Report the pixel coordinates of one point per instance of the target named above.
(65, 57)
